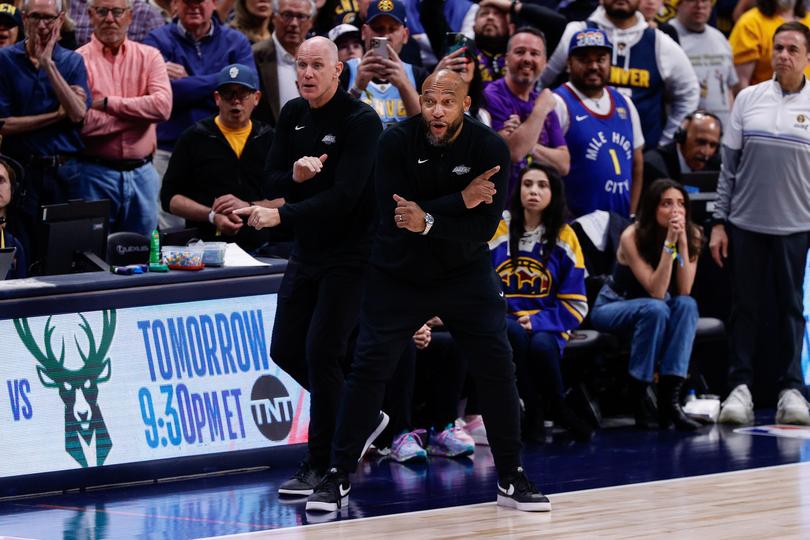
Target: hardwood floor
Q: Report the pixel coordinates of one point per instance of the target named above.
(772, 502)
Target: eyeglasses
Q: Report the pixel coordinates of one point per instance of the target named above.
(117, 13)
(228, 94)
(288, 16)
(37, 17)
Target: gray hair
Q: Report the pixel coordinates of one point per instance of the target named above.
(92, 3)
(277, 7)
(56, 3)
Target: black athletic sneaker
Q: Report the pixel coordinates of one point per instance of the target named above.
(382, 422)
(331, 494)
(517, 491)
(302, 483)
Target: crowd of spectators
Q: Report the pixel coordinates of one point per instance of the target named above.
(171, 109)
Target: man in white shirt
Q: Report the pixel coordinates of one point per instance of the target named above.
(710, 54)
(275, 57)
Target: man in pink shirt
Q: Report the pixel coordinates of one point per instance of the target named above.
(131, 93)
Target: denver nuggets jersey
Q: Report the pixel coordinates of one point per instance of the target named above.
(552, 291)
(601, 148)
(635, 73)
(383, 98)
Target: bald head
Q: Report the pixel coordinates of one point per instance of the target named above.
(317, 69)
(444, 99)
(445, 80)
(321, 46)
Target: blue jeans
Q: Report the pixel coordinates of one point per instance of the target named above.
(134, 194)
(663, 330)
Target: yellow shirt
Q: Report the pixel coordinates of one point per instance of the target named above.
(752, 41)
(235, 137)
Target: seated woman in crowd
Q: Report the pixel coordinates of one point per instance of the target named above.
(539, 260)
(648, 295)
(10, 174)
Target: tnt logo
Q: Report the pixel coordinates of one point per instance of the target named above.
(272, 408)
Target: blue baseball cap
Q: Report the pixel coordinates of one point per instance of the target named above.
(393, 8)
(590, 38)
(238, 74)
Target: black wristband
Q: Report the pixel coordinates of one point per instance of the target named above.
(717, 221)
(105, 103)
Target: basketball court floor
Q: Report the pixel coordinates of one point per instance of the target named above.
(717, 483)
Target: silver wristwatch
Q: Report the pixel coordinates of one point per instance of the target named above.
(428, 223)
(211, 216)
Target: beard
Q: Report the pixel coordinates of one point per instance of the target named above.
(491, 44)
(581, 84)
(449, 133)
(621, 14)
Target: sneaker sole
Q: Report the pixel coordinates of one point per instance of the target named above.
(508, 502)
(317, 506)
(735, 419)
(295, 492)
(374, 434)
(796, 419)
(415, 458)
(463, 453)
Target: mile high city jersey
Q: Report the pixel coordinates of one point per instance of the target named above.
(636, 75)
(383, 97)
(601, 148)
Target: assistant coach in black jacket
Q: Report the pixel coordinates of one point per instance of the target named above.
(440, 183)
(321, 163)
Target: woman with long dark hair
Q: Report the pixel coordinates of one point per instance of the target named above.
(539, 260)
(648, 295)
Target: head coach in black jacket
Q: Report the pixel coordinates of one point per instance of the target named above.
(440, 184)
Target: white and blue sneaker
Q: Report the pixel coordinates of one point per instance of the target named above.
(518, 492)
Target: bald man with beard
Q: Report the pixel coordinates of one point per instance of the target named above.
(320, 163)
(440, 183)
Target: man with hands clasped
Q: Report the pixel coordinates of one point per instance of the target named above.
(321, 163)
(440, 181)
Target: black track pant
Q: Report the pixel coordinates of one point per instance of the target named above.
(752, 255)
(474, 311)
(317, 311)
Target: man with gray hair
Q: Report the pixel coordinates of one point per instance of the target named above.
(43, 100)
(131, 94)
(275, 57)
(320, 163)
(144, 19)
